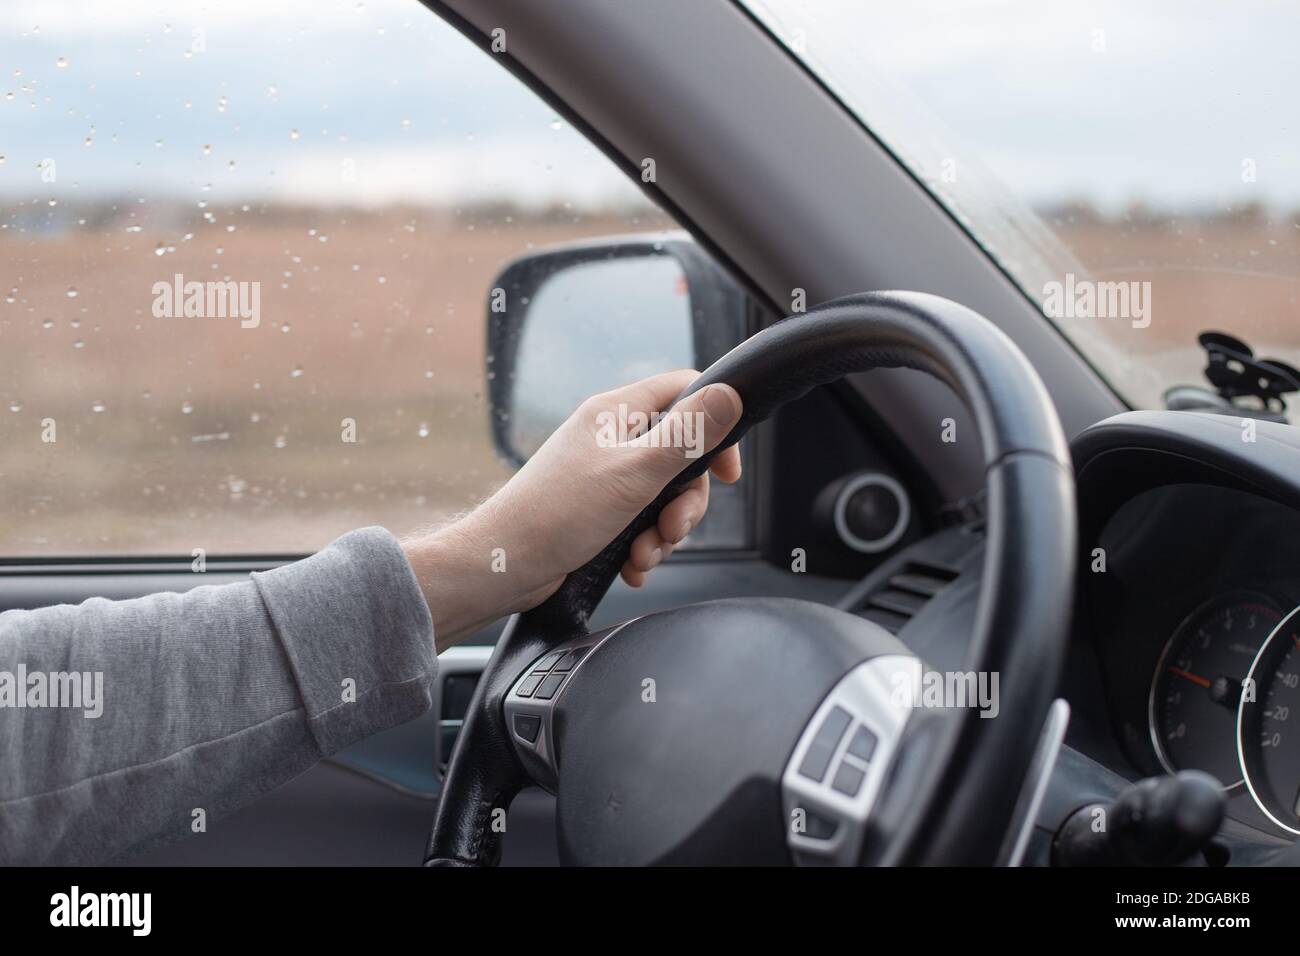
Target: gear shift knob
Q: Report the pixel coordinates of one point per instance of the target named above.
(1160, 821)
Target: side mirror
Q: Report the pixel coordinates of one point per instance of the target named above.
(575, 320)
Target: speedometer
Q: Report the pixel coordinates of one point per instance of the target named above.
(1197, 684)
(1268, 735)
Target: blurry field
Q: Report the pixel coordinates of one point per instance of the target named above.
(1235, 275)
(206, 437)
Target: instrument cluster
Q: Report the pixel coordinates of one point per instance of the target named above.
(1225, 699)
(1196, 622)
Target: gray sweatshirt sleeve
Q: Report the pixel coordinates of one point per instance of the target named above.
(189, 706)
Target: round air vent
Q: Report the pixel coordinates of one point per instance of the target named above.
(871, 512)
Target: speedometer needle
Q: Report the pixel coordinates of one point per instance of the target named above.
(1223, 690)
(1194, 678)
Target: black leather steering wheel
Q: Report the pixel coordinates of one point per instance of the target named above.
(720, 732)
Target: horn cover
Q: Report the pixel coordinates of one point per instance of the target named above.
(673, 735)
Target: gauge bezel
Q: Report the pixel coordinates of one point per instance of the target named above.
(1242, 762)
(1196, 614)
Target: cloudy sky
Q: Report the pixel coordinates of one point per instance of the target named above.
(379, 101)
(1110, 99)
(364, 102)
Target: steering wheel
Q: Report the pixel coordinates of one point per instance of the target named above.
(777, 730)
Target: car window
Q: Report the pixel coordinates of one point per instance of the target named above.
(248, 248)
(1130, 164)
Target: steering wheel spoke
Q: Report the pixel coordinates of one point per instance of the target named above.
(530, 705)
(842, 761)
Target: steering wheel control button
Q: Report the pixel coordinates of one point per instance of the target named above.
(856, 729)
(570, 660)
(863, 743)
(818, 758)
(550, 686)
(848, 779)
(818, 827)
(527, 727)
(532, 701)
(547, 662)
(528, 685)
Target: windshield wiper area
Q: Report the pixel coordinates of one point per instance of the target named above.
(1244, 385)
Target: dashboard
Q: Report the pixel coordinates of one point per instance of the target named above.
(1186, 647)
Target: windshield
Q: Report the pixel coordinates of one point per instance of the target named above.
(1135, 167)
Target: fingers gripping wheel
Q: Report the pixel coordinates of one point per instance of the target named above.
(1029, 565)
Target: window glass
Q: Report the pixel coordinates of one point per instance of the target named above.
(1133, 165)
(248, 248)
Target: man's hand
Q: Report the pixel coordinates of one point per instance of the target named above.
(572, 498)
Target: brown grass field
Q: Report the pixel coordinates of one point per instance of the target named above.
(206, 438)
(1241, 277)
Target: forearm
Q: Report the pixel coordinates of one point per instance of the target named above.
(471, 574)
(207, 699)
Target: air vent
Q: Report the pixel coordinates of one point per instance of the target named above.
(457, 689)
(904, 594)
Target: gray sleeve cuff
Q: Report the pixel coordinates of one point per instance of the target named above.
(358, 635)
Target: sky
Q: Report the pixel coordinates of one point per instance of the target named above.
(1113, 100)
(380, 101)
(369, 103)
